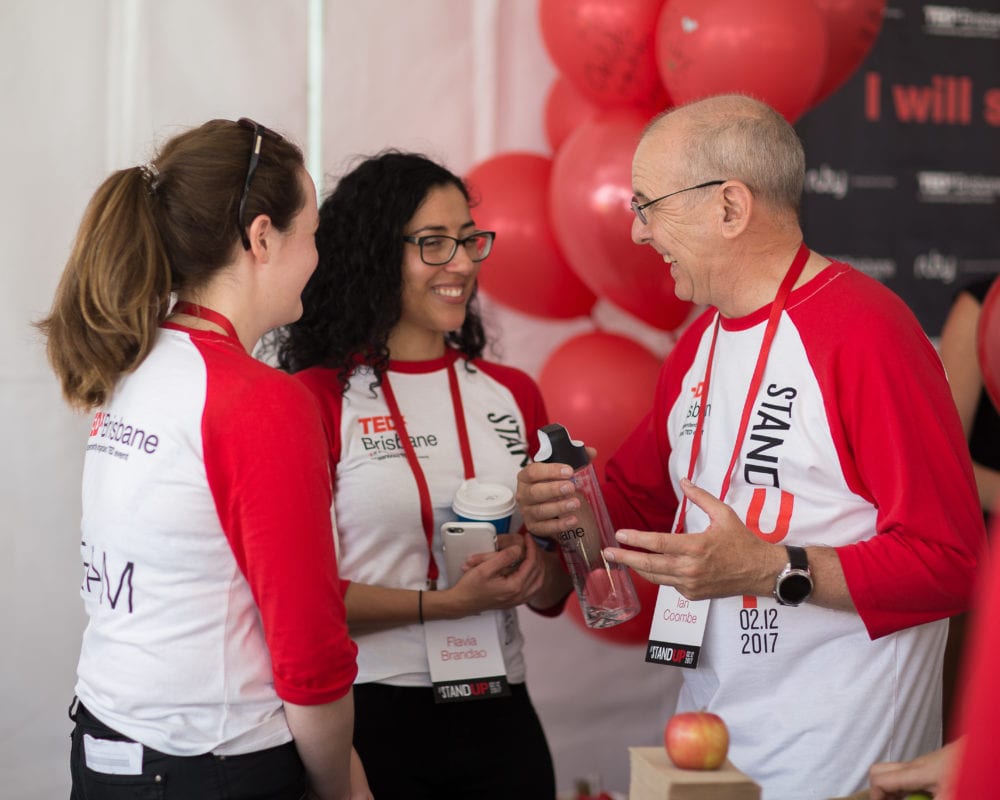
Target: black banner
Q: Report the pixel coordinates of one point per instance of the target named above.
(903, 161)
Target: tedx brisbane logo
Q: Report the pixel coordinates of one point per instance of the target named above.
(119, 433)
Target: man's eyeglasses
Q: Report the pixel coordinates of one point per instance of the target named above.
(640, 210)
(259, 132)
(437, 249)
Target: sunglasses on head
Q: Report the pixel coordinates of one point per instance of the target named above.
(259, 132)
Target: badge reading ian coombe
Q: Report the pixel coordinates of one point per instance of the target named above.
(678, 629)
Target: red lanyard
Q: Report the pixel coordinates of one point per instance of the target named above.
(194, 310)
(426, 509)
(794, 271)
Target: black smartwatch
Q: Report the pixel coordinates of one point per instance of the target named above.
(795, 583)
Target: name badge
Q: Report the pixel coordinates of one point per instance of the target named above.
(465, 658)
(678, 629)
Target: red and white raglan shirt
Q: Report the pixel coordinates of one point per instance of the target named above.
(381, 538)
(210, 576)
(853, 443)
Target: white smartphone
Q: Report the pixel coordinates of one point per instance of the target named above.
(463, 539)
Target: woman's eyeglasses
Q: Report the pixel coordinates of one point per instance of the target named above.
(437, 249)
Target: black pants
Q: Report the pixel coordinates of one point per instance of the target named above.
(273, 774)
(415, 749)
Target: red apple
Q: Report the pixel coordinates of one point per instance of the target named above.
(696, 740)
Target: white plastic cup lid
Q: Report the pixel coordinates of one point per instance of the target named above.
(477, 500)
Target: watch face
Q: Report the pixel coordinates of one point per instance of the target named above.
(795, 588)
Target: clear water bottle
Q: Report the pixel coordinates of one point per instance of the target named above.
(604, 588)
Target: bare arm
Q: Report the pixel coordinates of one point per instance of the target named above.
(959, 354)
(489, 584)
(359, 779)
(323, 736)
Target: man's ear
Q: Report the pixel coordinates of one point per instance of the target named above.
(737, 202)
(259, 234)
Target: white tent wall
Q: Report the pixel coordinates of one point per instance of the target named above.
(88, 86)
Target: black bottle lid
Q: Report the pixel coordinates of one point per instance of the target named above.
(556, 447)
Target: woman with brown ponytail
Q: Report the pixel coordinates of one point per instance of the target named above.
(216, 660)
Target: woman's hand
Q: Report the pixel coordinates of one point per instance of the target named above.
(504, 579)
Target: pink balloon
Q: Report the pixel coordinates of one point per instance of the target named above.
(589, 204)
(774, 50)
(526, 270)
(852, 27)
(605, 48)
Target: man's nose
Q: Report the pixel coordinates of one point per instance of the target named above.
(640, 231)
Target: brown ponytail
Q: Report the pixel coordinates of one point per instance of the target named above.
(113, 294)
(149, 231)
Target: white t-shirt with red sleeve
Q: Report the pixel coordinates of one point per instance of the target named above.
(382, 541)
(853, 443)
(210, 578)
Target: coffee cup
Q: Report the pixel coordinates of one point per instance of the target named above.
(479, 501)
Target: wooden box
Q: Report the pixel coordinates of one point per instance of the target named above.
(654, 777)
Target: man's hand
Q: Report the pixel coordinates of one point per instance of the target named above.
(546, 496)
(724, 560)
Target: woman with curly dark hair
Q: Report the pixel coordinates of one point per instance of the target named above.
(390, 343)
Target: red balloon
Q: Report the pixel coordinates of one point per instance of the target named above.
(852, 27)
(988, 344)
(526, 270)
(589, 204)
(605, 48)
(598, 386)
(774, 50)
(635, 630)
(565, 110)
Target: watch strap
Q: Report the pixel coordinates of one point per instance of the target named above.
(797, 558)
(794, 584)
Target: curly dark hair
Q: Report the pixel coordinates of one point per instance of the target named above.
(354, 299)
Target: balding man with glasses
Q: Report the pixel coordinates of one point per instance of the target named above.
(800, 485)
